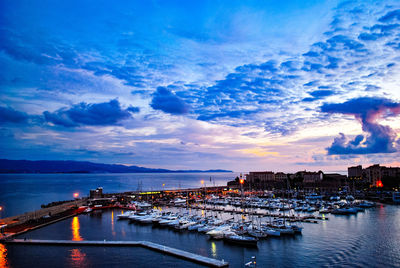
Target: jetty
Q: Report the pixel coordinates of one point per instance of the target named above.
(145, 244)
(19, 224)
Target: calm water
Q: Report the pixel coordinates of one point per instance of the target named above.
(368, 239)
(20, 193)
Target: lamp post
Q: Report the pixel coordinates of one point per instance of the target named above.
(241, 180)
(76, 195)
(204, 196)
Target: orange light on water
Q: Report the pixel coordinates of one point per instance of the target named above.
(78, 258)
(75, 229)
(3, 256)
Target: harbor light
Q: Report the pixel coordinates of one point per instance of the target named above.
(76, 195)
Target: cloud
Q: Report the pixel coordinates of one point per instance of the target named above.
(96, 114)
(390, 16)
(367, 111)
(322, 93)
(34, 47)
(319, 94)
(9, 115)
(168, 102)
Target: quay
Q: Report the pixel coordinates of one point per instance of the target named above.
(145, 244)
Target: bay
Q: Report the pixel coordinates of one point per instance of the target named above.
(21, 193)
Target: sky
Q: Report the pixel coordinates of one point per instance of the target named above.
(238, 85)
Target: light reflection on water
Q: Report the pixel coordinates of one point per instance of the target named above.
(78, 258)
(213, 249)
(75, 229)
(3, 256)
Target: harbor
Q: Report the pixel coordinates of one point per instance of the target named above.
(344, 240)
(233, 218)
(225, 224)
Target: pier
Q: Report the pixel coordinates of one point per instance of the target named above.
(29, 221)
(145, 244)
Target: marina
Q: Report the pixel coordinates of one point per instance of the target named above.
(360, 235)
(212, 223)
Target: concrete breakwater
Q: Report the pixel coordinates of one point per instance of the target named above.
(145, 244)
(18, 224)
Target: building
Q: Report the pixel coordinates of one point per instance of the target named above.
(280, 176)
(97, 193)
(374, 174)
(312, 176)
(355, 172)
(260, 179)
(260, 176)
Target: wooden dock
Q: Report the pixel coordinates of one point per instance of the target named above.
(145, 244)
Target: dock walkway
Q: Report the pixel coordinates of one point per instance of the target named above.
(145, 244)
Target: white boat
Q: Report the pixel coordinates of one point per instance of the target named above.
(272, 232)
(135, 217)
(218, 232)
(125, 215)
(257, 233)
(205, 228)
(179, 201)
(88, 210)
(241, 240)
(366, 204)
(344, 211)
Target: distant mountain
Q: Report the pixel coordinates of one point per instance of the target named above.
(45, 166)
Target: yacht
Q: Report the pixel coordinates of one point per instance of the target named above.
(125, 215)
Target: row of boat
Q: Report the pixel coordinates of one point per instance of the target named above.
(334, 206)
(239, 232)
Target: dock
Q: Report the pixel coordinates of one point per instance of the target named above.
(145, 244)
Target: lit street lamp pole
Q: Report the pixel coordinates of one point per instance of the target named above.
(241, 189)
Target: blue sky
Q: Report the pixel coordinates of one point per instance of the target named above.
(241, 85)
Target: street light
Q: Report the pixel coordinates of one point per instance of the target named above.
(76, 195)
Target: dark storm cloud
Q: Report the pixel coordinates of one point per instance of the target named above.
(367, 111)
